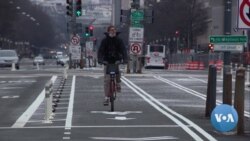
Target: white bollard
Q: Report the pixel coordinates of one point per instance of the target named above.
(37, 66)
(13, 66)
(65, 72)
(48, 102)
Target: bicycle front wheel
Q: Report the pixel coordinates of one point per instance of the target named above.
(112, 103)
(112, 95)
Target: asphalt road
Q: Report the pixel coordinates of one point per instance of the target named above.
(155, 105)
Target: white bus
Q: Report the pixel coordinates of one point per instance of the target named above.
(155, 55)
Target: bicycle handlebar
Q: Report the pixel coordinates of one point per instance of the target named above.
(116, 62)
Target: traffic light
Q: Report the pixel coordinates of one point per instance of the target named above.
(78, 8)
(87, 32)
(91, 30)
(69, 7)
(177, 33)
(211, 47)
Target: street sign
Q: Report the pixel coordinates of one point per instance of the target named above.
(137, 14)
(75, 52)
(75, 40)
(136, 48)
(218, 39)
(136, 34)
(231, 48)
(136, 17)
(243, 14)
(89, 48)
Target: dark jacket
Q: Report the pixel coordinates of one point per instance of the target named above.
(112, 50)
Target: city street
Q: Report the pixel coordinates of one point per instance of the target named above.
(155, 105)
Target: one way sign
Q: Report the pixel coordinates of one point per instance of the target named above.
(244, 14)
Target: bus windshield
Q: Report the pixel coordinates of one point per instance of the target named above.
(156, 48)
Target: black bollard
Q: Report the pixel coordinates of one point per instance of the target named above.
(227, 92)
(239, 98)
(211, 91)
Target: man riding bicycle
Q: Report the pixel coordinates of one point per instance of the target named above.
(111, 51)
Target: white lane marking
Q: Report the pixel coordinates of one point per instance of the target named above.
(68, 123)
(151, 99)
(66, 138)
(61, 113)
(101, 126)
(67, 133)
(18, 81)
(57, 108)
(233, 80)
(184, 79)
(10, 97)
(117, 112)
(63, 103)
(17, 76)
(42, 121)
(198, 79)
(121, 118)
(135, 139)
(192, 92)
(24, 118)
(96, 76)
(187, 105)
(10, 88)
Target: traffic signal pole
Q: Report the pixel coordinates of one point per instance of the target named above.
(72, 23)
(136, 63)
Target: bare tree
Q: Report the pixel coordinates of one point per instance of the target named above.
(188, 17)
(16, 25)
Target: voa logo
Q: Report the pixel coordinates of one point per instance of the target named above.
(224, 118)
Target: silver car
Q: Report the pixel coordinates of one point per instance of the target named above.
(7, 57)
(39, 60)
(63, 60)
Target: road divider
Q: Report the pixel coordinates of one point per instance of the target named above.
(37, 66)
(48, 102)
(65, 71)
(13, 66)
(24, 118)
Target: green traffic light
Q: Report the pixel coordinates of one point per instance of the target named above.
(78, 13)
(86, 34)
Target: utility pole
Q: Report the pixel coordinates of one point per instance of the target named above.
(227, 31)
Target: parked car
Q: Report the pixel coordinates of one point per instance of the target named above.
(7, 57)
(39, 60)
(62, 60)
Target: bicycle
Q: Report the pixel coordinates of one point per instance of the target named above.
(112, 70)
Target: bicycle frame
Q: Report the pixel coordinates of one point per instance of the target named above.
(112, 92)
(112, 70)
